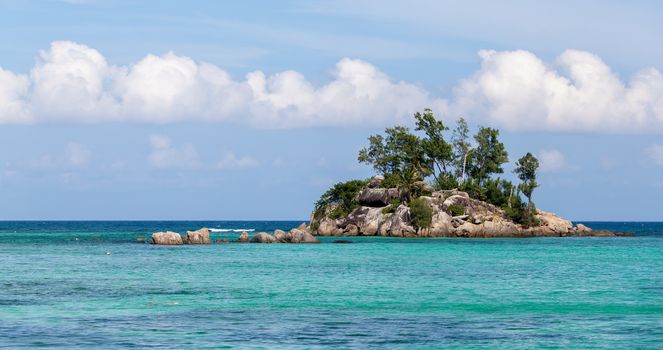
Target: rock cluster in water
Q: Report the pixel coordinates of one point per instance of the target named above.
(301, 234)
(480, 219)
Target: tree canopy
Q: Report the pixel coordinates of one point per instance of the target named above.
(407, 157)
(488, 155)
(438, 152)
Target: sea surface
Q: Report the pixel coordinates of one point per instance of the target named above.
(81, 285)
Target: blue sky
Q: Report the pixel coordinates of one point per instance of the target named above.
(249, 110)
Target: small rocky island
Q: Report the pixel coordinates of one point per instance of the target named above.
(453, 213)
(431, 184)
(428, 185)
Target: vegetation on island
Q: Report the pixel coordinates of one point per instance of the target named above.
(340, 199)
(432, 156)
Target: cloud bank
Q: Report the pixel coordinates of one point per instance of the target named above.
(73, 82)
(231, 161)
(515, 90)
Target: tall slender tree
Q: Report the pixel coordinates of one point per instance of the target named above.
(526, 168)
(460, 140)
(439, 152)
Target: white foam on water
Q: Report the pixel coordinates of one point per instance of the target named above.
(231, 229)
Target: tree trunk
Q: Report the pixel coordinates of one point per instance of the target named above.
(529, 211)
(462, 176)
(439, 172)
(510, 195)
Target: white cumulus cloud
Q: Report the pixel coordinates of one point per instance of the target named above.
(517, 90)
(358, 94)
(75, 82)
(511, 89)
(232, 162)
(655, 153)
(13, 95)
(166, 155)
(71, 81)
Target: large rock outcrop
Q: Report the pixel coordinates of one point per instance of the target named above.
(263, 237)
(198, 237)
(280, 235)
(167, 238)
(378, 197)
(476, 218)
(301, 234)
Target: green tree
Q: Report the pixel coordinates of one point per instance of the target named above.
(461, 148)
(488, 155)
(376, 155)
(439, 152)
(400, 154)
(526, 168)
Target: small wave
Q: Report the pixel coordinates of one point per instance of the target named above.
(231, 229)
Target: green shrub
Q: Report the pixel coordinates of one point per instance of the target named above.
(445, 182)
(391, 208)
(496, 191)
(421, 188)
(532, 221)
(342, 197)
(519, 214)
(421, 213)
(339, 212)
(473, 189)
(456, 210)
(390, 181)
(515, 213)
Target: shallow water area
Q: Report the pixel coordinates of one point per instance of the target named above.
(61, 289)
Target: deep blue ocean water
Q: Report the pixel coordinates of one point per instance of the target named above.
(60, 289)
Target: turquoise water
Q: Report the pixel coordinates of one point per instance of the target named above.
(59, 289)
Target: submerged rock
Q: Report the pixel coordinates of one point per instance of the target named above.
(583, 228)
(280, 235)
(300, 236)
(263, 237)
(167, 238)
(243, 237)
